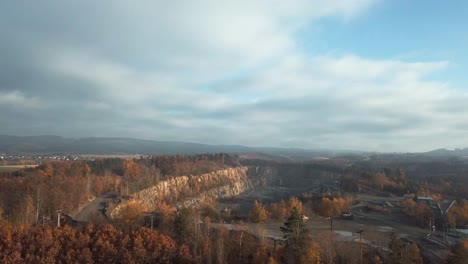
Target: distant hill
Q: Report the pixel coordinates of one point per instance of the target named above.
(101, 145)
(445, 152)
(114, 145)
(110, 145)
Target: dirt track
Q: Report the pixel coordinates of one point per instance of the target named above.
(95, 207)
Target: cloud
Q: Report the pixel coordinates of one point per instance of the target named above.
(365, 104)
(228, 72)
(18, 100)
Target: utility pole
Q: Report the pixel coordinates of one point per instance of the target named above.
(444, 215)
(38, 204)
(88, 186)
(445, 233)
(406, 252)
(240, 248)
(360, 241)
(274, 247)
(58, 217)
(151, 216)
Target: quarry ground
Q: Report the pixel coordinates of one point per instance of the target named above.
(376, 226)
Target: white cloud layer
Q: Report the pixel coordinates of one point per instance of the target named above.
(228, 72)
(17, 99)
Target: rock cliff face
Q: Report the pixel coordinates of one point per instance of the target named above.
(192, 190)
(262, 176)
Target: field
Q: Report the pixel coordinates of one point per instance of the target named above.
(108, 156)
(12, 168)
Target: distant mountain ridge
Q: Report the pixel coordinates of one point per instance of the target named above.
(115, 145)
(51, 144)
(103, 145)
(447, 152)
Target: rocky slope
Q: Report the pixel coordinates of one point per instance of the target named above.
(192, 190)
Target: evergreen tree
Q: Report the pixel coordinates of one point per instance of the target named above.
(397, 249)
(402, 252)
(293, 227)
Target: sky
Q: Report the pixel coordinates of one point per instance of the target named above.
(376, 75)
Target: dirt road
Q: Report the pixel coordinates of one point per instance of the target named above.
(94, 208)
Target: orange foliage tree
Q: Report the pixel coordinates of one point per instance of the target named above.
(89, 245)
